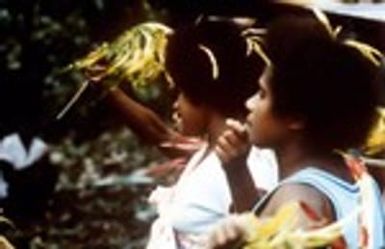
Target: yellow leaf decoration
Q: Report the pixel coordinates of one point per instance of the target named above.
(137, 56)
(213, 61)
(254, 43)
(376, 140)
(279, 231)
(369, 52)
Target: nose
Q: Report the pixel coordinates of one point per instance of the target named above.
(250, 103)
(175, 105)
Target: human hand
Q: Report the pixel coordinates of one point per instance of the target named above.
(95, 73)
(233, 143)
(227, 234)
(189, 145)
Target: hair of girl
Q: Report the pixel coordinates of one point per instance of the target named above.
(204, 45)
(376, 139)
(311, 59)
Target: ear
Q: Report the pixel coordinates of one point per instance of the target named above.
(296, 124)
(206, 114)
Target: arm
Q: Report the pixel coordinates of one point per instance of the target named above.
(143, 121)
(150, 127)
(314, 199)
(243, 190)
(231, 230)
(233, 149)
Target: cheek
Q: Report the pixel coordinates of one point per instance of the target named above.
(191, 123)
(192, 128)
(265, 129)
(257, 127)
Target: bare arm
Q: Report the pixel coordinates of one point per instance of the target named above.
(142, 120)
(243, 190)
(231, 230)
(233, 149)
(314, 199)
(150, 127)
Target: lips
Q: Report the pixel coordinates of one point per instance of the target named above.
(248, 123)
(248, 120)
(177, 120)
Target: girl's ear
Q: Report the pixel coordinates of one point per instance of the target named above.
(296, 124)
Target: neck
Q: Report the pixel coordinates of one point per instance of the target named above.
(294, 157)
(216, 126)
(290, 157)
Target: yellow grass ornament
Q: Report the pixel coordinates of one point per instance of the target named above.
(137, 56)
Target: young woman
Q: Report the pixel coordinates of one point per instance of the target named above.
(214, 73)
(317, 96)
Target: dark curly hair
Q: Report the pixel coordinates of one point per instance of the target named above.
(191, 69)
(326, 83)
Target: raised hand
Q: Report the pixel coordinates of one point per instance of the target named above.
(233, 143)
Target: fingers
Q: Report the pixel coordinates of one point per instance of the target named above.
(227, 146)
(233, 142)
(237, 127)
(95, 73)
(182, 143)
(226, 234)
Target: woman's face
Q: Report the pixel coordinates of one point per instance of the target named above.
(265, 128)
(189, 118)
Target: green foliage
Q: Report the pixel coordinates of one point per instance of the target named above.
(39, 38)
(116, 152)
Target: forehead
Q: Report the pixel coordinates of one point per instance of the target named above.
(266, 75)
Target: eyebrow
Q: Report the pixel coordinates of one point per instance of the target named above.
(262, 80)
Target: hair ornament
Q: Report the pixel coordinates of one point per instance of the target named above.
(212, 59)
(254, 43)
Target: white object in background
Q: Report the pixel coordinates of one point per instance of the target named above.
(3, 187)
(13, 151)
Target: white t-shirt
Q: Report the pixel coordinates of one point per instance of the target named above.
(202, 196)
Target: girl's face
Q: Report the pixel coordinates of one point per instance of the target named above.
(189, 118)
(265, 128)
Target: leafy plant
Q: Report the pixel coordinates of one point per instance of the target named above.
(137, 57)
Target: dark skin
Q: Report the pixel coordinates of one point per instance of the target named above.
(294, 152)
(232, 148)
(242, 187)
(141, 119)
(146, 124)
(284, 134)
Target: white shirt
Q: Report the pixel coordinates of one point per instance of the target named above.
(202, 196)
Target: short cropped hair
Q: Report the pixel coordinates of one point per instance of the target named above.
(327, 84)
(191, 68)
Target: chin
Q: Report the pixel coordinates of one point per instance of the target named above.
(256, 141)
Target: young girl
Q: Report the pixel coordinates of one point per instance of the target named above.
(317, 96)
(214, 73)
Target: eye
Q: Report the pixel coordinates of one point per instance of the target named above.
(261, 93)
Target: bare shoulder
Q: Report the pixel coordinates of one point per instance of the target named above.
(315, 199)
